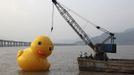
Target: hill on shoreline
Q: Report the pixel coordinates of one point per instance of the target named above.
(123, 38)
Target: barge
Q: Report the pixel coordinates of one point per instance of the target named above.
(111, 65)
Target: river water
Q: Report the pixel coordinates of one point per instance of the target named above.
(63, 60)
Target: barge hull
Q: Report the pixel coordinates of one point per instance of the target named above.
(112, 65)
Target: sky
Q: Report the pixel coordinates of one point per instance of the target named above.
(23, 20)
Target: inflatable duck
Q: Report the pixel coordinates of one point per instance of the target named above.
(34, 58)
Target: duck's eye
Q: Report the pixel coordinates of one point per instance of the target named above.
(39, 43)
(50, 48)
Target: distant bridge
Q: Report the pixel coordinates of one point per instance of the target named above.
(11, 43)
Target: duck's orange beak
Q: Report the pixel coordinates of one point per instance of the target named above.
(41, 53)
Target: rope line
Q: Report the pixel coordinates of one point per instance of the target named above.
(88, 21)
(52, 17)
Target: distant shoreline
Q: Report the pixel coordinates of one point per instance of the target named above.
(87, 45)
(68, 44)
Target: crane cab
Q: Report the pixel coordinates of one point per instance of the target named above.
(108, 48)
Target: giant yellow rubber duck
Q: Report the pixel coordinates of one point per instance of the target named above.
(34, 58)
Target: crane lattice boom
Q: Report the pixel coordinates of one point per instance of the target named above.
(74, 24)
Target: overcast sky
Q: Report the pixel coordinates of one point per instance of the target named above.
(26, 19)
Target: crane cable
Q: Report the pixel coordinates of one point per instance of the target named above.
(52, 17)
(96, 26)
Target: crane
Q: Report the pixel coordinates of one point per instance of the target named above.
(100, 49)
